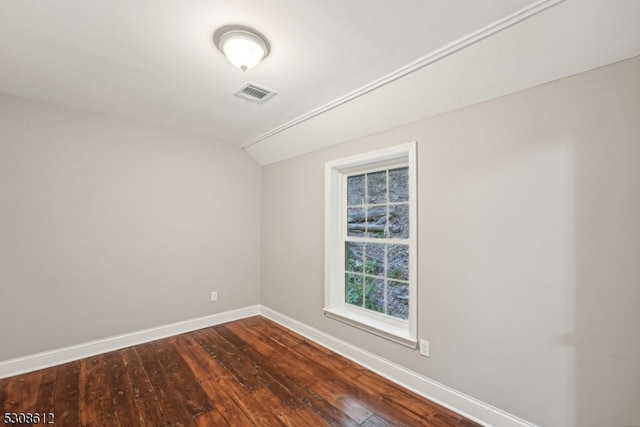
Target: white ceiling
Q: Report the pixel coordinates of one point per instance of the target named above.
(342, 69)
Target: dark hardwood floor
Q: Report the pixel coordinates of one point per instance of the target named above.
(244, 373)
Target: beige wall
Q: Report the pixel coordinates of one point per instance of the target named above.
(529, 248)
(108, 227)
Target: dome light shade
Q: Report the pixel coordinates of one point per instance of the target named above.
(244, 47)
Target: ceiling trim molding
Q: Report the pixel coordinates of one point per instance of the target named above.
(431, 58)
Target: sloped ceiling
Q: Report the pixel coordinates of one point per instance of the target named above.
(342, 69)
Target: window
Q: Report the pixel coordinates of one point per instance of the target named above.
(370, 248)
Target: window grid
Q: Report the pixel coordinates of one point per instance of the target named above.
(385, 240)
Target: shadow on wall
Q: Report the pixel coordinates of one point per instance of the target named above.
(607, 338)
(497, 219)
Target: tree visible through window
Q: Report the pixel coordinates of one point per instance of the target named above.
(376, 264)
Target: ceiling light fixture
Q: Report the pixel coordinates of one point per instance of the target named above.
(244, 47)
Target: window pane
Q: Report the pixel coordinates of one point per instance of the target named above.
(374, 259)
(374, 294)
(399, 185)
(399, 221)
(353, 290)
(355, 190)
(398, 299)
(356, 224)
(376, 221)
(398, 262)
(377, 187)
(354, 256)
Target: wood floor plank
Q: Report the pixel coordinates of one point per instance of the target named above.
(330, 389)
(22, 393)
(354, 408)
(232, 360)
(225, 406)
(174, 411)
(182, 380)
(442, 420)
(45, 393)
(374, 396)
(199, 360)
(329, 360)
(404, 400)
(213, 418)
(259, 342)
(338, 381)
(66, 400)
(229, 398)
(144, 396)
(247, 401)
(82, 392)
(318, 403)
(277, 407)
(99, 407)
(312, 417)
(288, 383)
(278, 334)
(394, 405)
(250, 372)
(120, 388)
(277, 384)
(4, 383)
(231, 337)
(274, 378)
(376, 421)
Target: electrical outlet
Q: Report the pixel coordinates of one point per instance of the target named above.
(424, 348)
(214, 296)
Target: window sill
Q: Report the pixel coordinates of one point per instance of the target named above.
(377, 327)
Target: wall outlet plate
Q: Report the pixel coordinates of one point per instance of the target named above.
(214, 296)
(424, 348)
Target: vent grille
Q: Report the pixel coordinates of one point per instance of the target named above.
(255, 93)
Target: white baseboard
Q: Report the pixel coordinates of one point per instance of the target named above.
(21, 365)
(467, 406)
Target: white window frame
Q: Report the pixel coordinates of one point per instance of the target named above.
(398, 330)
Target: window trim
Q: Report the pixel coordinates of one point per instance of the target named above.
(401, 331)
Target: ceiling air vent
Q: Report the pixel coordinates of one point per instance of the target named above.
(254, 93)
